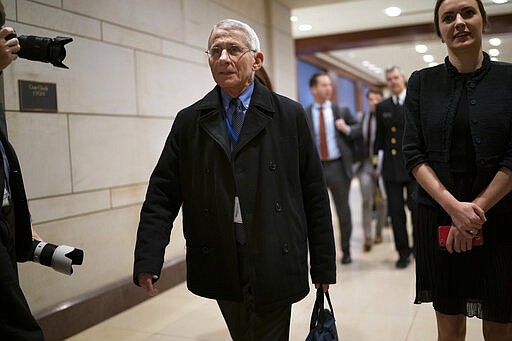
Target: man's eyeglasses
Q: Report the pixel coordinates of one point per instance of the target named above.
(234, 51)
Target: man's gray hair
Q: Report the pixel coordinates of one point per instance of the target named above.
(392, 68)
(253, 41)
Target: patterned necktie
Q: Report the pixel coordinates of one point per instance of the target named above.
(238, 116)
(236, 126)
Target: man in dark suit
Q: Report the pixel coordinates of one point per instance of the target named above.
(390, 162)
(243, 167)
(333, 128)
(16, 320)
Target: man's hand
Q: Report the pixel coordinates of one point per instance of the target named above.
(325, 287)
(146, 282)
(342, 126)
(8, 48)
(35, 235)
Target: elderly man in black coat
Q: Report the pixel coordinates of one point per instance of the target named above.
(243, 166)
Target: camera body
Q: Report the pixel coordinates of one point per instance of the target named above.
(42, 49)
(59, 257)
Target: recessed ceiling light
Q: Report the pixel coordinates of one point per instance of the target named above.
(432, 64)
(393, 11)
(294, 18)
(421, 48)
(495, 41)
(305, 27)
(500, 1)
(494, 52)
(428, 58)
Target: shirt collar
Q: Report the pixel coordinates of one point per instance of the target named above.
(245, 97)
(401, 97)
(326, 104)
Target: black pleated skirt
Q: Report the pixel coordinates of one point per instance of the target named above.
(474, 283)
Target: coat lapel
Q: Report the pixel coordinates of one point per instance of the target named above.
(257, 117)
(212, 121)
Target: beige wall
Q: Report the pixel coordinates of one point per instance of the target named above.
(133, 65)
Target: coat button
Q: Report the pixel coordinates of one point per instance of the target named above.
(393, 140)
(472, 102)
(474, 121)
(205, 250)
(478, 140)
(393, 129)
(272, 165)
(471, 84)
(286, 249)
(278, 207)
(482, 162)
(206, 212)
(393, 151)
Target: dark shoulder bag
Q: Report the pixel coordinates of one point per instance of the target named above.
(322, 326)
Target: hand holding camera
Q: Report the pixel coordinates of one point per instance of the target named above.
(8, 47)
(41, 49)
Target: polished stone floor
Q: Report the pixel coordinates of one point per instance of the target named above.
(372, 301)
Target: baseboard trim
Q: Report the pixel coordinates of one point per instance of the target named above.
(71, 317)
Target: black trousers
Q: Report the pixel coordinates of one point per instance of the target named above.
(244, 323)
(16, 320)
(396, 209)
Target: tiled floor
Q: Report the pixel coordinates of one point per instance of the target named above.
(372, 301)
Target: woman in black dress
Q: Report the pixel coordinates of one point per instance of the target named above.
(458, 145)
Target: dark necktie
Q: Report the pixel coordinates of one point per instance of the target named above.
(238, 117)
(369, 134)
(236, 125)
(324, 154)
(6, 191)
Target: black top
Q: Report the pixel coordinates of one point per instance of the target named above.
(432, 104)
(462, 153)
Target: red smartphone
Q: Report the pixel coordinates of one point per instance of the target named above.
(443, 236)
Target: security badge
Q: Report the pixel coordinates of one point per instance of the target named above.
(237, 216)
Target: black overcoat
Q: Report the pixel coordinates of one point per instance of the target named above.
(283, 198)
(388, 137)
(23, 227)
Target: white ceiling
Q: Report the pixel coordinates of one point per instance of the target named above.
(329, 17)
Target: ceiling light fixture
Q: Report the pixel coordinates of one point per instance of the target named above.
(420, 48)
(305, 27)
(428, 58)
(500, 1)
(294, 18)
(495, 41)
(393, 11)
(494, 52)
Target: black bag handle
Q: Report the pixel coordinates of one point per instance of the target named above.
(318, 315)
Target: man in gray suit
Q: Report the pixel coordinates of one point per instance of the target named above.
(334, 129)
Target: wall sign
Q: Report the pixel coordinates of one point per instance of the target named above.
(37, 96)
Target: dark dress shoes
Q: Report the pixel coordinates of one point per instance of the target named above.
(346, 259)
(402, 262)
